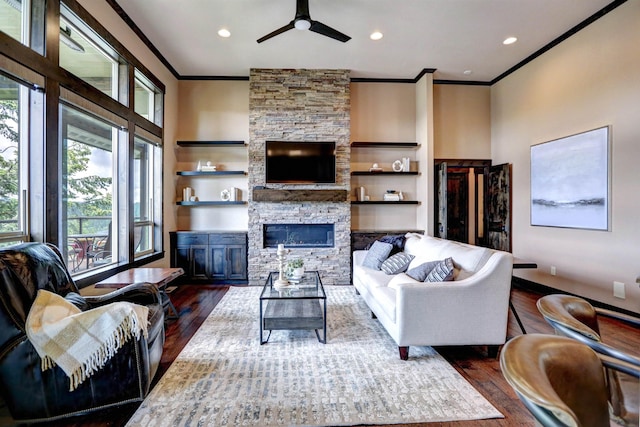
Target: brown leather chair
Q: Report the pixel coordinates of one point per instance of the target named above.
(559, 380)
(576, 318)
(33, 395)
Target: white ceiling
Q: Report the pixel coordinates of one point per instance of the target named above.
(449, 35)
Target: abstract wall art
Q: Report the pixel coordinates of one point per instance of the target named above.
(570, 181)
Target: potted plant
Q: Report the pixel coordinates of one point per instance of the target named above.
(295, 268)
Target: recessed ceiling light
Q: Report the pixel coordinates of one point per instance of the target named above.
(510, 40)
(376, 35)
(224, 33)
(467, 72)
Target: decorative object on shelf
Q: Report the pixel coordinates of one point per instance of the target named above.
(361, 193)
(393, 196)
(225, 195)
(398, 166)
(282, 281)
(193, 198)
(236, 195)
(187, 192)
(199, 166)
(208, 167)
(295, 269)
(406, 162)
(375, 168)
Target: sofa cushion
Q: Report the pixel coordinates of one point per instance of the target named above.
(426, 248)
(401, 278)
(443, 271)
(397, 263)
(421, 271)
(377, 254)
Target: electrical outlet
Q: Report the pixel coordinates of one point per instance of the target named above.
(553, 270)
(618, 290)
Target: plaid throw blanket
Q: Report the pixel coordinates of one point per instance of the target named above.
(81, 342)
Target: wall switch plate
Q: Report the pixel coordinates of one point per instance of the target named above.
(553, 270)
(618, 290)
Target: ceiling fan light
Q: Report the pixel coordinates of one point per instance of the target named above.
(302, 24)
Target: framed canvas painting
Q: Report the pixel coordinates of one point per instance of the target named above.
(570, 181)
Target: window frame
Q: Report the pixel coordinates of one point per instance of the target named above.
(44, 158)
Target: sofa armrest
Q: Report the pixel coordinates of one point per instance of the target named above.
(459, 308)
(137, 293)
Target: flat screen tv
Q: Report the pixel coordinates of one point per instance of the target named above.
(289, 162)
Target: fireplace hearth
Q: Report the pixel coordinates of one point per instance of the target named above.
(299, 235)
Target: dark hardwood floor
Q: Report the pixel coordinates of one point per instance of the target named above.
(195, 302)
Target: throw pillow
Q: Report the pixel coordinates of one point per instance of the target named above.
(377, 254)
(421, 272)
(397, 263)
(397, 240)
(441, 272)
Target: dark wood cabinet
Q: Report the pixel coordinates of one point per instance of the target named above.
(215, 257)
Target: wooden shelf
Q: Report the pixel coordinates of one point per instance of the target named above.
(281, 195)
(209, 173)
(210, 203)
(367, 173)
(359, 144)
(383, 202)
(211, 143)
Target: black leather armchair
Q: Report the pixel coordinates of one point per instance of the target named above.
(32, 395)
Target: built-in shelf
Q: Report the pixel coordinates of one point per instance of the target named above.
(209, 173)
(361, 173)
(211, 143)
(359, 144)
(281, 195)
(384, 202)
(210, 203)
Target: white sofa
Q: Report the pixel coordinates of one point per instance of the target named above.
(471, 310)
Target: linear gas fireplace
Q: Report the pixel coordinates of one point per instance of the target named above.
(299, 235)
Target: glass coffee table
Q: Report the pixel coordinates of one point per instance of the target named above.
(303, 305)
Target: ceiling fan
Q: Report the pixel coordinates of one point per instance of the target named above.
(303, 21)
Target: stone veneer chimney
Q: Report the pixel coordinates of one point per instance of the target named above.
(300, 105)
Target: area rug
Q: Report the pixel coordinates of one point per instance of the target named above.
(224, 377)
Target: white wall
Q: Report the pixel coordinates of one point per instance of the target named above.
(590, 80)
(212, 110)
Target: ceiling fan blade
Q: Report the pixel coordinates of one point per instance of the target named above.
(325, 30)
(280, 30)
(302, 10)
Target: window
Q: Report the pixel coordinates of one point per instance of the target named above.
(74, 175)
(84, 54)
(88, 220)
(148, 99)
(15, 99)
(145, 174)
(11, 21)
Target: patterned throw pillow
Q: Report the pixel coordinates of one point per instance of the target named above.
(442, 272)
(377, 254)
(397, 263)
(420, 272)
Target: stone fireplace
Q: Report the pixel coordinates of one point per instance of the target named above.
(299, 105)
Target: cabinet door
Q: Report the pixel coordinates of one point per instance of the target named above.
(198, 261)
(218, 263)
(237, 262)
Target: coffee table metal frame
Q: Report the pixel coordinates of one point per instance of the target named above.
(301, 306)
